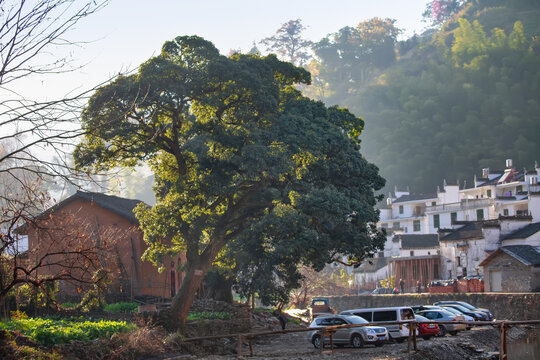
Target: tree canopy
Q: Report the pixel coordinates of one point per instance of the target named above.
(247, 169)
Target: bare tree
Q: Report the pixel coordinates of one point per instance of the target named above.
(65, 247)
(36, 137)
(39, 132)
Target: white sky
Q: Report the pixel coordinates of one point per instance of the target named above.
(127, 32)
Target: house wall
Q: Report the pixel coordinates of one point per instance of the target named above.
(471, 254)
(370, 280)
(516, 276)
(84, 221)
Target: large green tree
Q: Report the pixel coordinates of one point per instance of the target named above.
(245, 166)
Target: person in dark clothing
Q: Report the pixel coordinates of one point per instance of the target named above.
(402, 285)
(281, 318)
(418, 287)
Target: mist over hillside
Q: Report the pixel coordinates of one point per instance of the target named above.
(442, 105)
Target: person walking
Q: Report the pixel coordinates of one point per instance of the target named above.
(402, 285)
(418, 287)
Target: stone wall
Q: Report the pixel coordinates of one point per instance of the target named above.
(516, 306)
(515, 276)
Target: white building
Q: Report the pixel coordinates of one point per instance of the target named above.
(472, 222)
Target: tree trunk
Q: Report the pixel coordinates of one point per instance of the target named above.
(183, 299)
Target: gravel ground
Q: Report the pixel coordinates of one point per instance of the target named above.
(478, 343)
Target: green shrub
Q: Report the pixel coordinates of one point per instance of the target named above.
(50, 331)
(122, 307)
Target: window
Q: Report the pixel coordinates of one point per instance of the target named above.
(412, 253)
(395, 226)
(489, 193)
(458, 260)
(519, 189)
(385, 315)
(436, 221)
(480, 214)
(364, 315)
(436, 271)
(505, 212)
(385, 226)
(453, 217)
(401, 209)
(416, 225)
(433, 203)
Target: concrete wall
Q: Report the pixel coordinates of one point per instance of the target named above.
(517, 306)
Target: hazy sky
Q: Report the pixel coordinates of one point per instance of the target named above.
(127, 32)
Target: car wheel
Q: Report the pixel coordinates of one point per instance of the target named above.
(357, 341)
(316, 341)
(442, 330)
(453, 333)
(427, 337)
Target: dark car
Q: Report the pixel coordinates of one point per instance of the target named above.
(488, 315)
(476, 315)
(382, 291)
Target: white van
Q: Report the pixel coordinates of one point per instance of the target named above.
(398, 332)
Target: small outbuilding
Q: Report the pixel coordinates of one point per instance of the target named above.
(514, 268)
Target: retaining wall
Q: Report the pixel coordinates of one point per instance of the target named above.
(504, 306)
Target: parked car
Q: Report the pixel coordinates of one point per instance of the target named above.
(457, 312)
(381, 291)
(489, 315)
(418, 308)
(477, 315)
(397, 332)
(443, 315)
(427, 328)
(355, 336)
(319, 307)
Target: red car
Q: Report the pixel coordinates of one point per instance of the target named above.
(427, 329)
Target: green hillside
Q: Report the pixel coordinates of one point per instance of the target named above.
(462, 98)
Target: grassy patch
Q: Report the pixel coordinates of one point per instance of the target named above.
(209, 316)
(50, 331)
(122, 307)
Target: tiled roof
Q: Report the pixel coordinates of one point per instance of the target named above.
(527, 254)
(524, 232)
(471, 230)
(121, 206)
(372, 265)
(418, 241)
(414, 197)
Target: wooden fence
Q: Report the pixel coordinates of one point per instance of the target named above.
(329, 331)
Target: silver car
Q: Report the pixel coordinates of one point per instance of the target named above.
(355, 336)
(443, 315)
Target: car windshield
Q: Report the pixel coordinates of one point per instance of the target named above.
(467, 306)
(356, 319)
(460, 308)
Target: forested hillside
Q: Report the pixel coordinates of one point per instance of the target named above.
(447, 103)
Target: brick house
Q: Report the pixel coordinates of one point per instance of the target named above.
(514, 268)
(110, 222)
